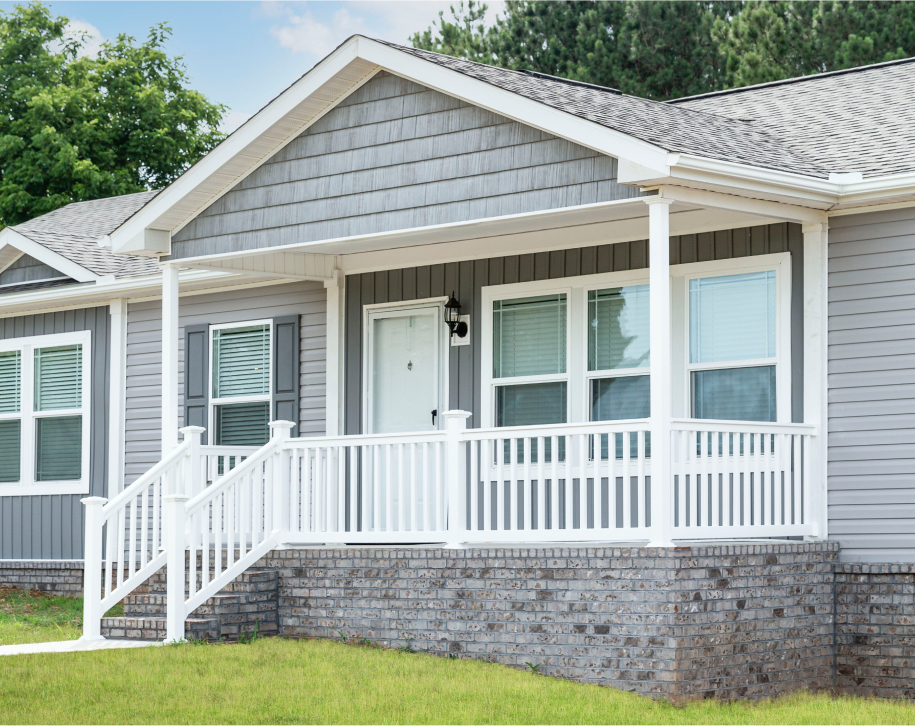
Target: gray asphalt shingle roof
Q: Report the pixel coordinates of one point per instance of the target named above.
(861, 119)
(670, 127)
(73, 232)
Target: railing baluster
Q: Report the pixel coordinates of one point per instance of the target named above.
(541, 483)
(473, 481)
(500, 484)
(527, 491)
(554, 481)
(582, 482)
(401, 491)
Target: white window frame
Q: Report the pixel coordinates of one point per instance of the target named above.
(578, 376)
(397, 309)
(27, 484)
(222, 401)
(780, 263)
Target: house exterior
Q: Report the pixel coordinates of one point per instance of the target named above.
(693, 318)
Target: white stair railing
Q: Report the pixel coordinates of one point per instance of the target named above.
(240, 516)
(131, 526)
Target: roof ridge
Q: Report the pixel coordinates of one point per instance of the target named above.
(789, 81)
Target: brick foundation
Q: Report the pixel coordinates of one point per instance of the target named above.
(875, 629)
(731, 622)
(55, 577)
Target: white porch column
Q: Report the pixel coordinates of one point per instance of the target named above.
(333, 416)
(169, 359)
(659, 340)
(815, 363)
(117, 394)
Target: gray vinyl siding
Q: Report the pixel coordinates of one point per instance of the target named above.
(144, 357)
(51, 526)
(28, 269)
(396, 155)
(467, 279)
(872, 385)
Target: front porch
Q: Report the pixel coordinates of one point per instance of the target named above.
(573, 433)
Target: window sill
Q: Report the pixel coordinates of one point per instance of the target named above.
(44, 488)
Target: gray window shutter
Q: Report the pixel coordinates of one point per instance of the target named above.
(196, 375)
(285, 395)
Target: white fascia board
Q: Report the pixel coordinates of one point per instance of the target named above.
(874, 189)
(235, 143)
(821, 193)
(506, 103)
(715, 200)
(8, 255)
(49, 257)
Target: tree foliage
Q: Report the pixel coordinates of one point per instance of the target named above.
(75, 127)
(664, 50)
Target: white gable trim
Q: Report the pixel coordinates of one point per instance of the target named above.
(8, 255)
(10, 238)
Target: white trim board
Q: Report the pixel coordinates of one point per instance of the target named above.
(11, 237)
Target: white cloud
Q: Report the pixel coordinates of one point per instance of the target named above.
(232, 120)
(92, 37)
(307, 35)
(395, 20)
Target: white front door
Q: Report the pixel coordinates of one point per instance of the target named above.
(404, 376)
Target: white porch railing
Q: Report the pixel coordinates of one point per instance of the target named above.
(734, 479)
(209, 513)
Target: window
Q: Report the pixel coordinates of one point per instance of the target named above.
(241, 376)
(732, 347)
(44, 414)
(529, 360)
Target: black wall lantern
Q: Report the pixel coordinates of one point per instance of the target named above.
(453, 318)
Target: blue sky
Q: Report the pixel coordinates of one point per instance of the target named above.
(242, 54)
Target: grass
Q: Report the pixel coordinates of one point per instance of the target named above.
(274, 680)
(36, 617)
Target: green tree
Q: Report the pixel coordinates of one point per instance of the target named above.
(768, 41)
(664, 50)
(74, 128)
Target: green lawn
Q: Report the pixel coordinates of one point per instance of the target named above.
(313, 681)
(34, 617)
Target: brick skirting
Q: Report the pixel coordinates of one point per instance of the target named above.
(731, 622)
(55, 577)
(875, 629)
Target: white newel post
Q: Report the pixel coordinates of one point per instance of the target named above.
(194, 476)
(169, 359)
(659, 341)
(175, 546)
(92, 569)
(279, 433)
(816, 318)
(456, 477)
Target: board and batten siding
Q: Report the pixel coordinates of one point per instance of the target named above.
(396, 155)
(51, 526)
(467, 279)
(872, 385)
(144, 357)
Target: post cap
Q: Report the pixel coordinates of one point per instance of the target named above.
(188, 430)
(93, 501)
(175, 498)
(457, 414)
(280, 428)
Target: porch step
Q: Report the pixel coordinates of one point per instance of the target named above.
(245, 605)
(154, 628)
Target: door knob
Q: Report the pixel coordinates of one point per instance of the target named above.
(434, 414)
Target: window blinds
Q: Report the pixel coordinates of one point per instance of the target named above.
(243, 424)
(10, 376)
(732, 317)
(59, 378)
(618, 328)
(241, 361)
(59, 448)
(529, 336)
(10, 443)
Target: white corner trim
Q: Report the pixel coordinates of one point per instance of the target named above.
(41, 253)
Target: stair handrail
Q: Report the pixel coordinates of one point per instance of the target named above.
(184, 532)
(146, 501)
